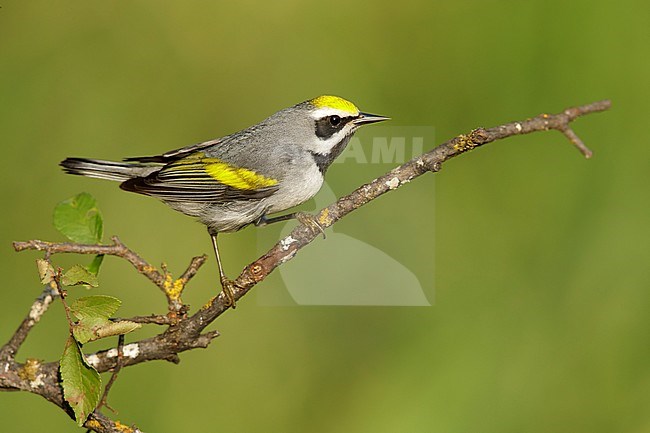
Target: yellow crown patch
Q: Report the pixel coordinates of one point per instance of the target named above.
(328, 101)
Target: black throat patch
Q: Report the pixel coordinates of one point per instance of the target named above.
(323, 161)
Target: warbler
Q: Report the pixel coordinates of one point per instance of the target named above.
(240, 179)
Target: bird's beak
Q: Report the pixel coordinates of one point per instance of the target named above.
(365, 118)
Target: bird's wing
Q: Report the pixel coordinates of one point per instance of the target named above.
(198, 178)
(176, 154)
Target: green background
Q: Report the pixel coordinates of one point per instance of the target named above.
(535, 259)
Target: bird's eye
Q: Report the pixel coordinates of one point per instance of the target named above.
(335, 120)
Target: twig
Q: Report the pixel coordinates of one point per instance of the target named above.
(577, 142)
(102, 424)
(170, 287)
(302, 235)
(192, 269)
(111, 381)
(62, 296)
(154, 319)
(117, 249)
(38, 308)
(187, 332)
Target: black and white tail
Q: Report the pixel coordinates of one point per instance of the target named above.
(110, 170)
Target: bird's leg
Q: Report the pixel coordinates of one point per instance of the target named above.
(264, 220)
(227, 285)
(304, 218)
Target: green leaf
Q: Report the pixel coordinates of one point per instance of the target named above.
(81, 382)
(93, 329)
(94, 266)
(95, 307)
(93, 313)
(78, 275)
(79, 219)
(117, 328)
(45, 271)
(86, 330)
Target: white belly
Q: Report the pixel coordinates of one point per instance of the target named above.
(301, 188)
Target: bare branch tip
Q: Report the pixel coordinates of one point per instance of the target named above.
(184, 332)
(605, 104)
(577, 142)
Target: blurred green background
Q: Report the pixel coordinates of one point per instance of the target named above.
(535, 259)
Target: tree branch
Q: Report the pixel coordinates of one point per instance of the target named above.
(186, 333)
(170, 287)
(39, 307)
(302, 235)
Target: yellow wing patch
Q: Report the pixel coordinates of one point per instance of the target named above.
(222, 172)
(328, 101)
(236, 177)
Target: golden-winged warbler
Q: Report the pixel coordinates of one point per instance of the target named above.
(230, 182)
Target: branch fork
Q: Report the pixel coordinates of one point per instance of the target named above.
(186, 332)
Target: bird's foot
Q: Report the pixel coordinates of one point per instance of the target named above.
(310, 221)
(228, 289)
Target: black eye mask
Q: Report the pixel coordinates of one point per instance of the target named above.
(330, 125)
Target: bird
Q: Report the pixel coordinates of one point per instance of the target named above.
(243, 178)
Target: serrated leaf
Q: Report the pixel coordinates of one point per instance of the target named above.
(45, 271)
(95, 307)
(81, 382)
(94, 266)
(79, 219)
(77, 275)
(93, 313)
